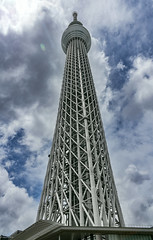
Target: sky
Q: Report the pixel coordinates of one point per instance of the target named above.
(31, 72)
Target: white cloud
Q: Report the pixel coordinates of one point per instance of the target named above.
(141, 82)
(138, 177)
(130, 144)
(8, 163)
(18, 16)
(137, 92)
(13, 73)
(106, 14)
(120, 65)
(3, 153)
(17, 209)
(137, 203)
(35, 167)
(136, 97)
(99, 66)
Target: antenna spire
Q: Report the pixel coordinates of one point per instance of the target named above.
(75, 16)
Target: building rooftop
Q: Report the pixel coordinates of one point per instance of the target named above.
(47, 230)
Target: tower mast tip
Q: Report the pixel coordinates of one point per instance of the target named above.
(75, 16)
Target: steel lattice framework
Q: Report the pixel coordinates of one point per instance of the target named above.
(79, 188)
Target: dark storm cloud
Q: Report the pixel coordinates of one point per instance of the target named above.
(27, 63)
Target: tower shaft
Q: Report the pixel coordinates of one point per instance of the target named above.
(79, 188)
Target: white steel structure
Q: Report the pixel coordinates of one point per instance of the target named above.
(79, 188)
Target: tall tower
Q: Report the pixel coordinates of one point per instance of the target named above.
(79, 188)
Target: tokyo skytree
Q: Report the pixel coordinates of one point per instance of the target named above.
(79, 187)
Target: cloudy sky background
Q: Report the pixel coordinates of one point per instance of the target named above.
(31, 71)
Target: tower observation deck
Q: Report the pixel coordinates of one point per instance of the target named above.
(79, 187)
